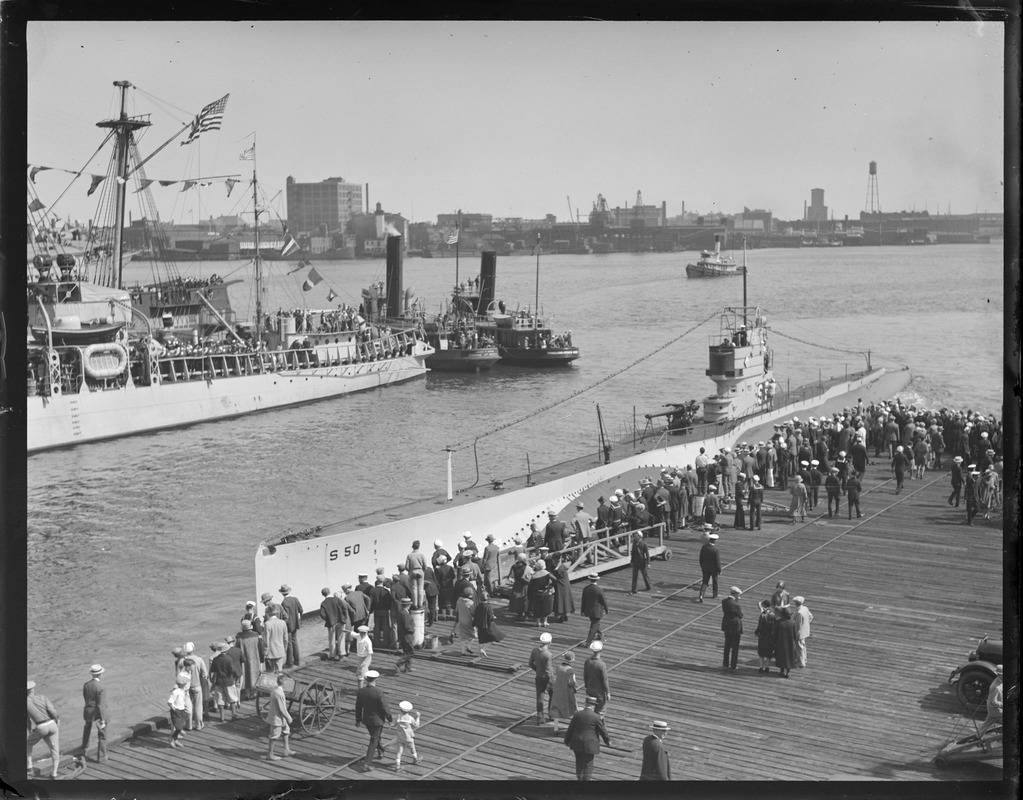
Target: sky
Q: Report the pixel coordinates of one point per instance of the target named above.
(523, 119)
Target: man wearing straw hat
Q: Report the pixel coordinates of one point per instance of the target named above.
(656, 766)
(95, 713)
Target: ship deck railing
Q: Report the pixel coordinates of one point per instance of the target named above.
(612, 551)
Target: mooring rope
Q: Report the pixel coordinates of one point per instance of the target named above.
(561, 401)
(816, 344)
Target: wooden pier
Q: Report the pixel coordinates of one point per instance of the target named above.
(899, 598)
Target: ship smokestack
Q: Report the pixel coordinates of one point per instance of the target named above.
(717, 243)
(488, 277)
(394, 282)
(378, 218)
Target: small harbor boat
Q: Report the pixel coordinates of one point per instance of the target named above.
(458, 345)
(524, 338)
(106, 361)
(712, 264)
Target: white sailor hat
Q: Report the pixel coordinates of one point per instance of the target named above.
(405, 705)
(815, 463)
(545, 638)
(596, 645)
(372, 674)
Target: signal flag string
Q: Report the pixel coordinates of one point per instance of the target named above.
(543, 409)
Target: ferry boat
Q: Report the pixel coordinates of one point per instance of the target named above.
(714, 265)
(99, 368)
(740, 359)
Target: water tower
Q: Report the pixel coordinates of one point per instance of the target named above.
(873, 202)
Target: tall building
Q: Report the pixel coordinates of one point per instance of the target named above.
(817, 211)
(322, 208)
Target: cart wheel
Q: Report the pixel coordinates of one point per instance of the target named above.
(667, 554)
(973, 686)
(317, 706)
(262, 706)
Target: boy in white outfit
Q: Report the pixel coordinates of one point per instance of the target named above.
(364, 650)
(406, 738)
(180, 705)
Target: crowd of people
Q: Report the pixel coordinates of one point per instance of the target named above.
(364, 618)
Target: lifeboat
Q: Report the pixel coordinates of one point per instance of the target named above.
(107, 360)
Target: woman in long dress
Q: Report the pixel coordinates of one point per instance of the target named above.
(250, 643)
(541, 594)
(564, 605)
(563, 704)
(765, 635)
(520, 573)
(464, 629)
(786, 641)
(486, 623)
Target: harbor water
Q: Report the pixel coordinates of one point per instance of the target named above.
(138, 545)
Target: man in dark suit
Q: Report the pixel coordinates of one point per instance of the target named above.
(371, 710)
(95, 713)
(731, 624)
(582, 737)
(640, 559)
(332, 614)
(380, 599)
(656, 766)
(957, 480)
(710, 564)
(293, 619)
(594, 606)
(360, 606)
(554, 533)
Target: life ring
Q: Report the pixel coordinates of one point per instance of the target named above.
(103, 353)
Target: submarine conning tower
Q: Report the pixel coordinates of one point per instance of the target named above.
(740, 365)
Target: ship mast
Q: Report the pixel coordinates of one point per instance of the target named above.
(123, 128)
(259, 260)
(744, 320)
(536, 306)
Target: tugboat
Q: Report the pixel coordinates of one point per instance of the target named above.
(523, 338)
(715, 265)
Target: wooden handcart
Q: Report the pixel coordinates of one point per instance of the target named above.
(317, 700)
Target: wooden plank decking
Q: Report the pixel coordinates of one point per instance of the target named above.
(898, 598)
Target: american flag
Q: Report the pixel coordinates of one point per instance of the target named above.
(208, 119)
(453, 237)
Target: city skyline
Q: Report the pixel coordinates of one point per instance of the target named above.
(524, 119)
